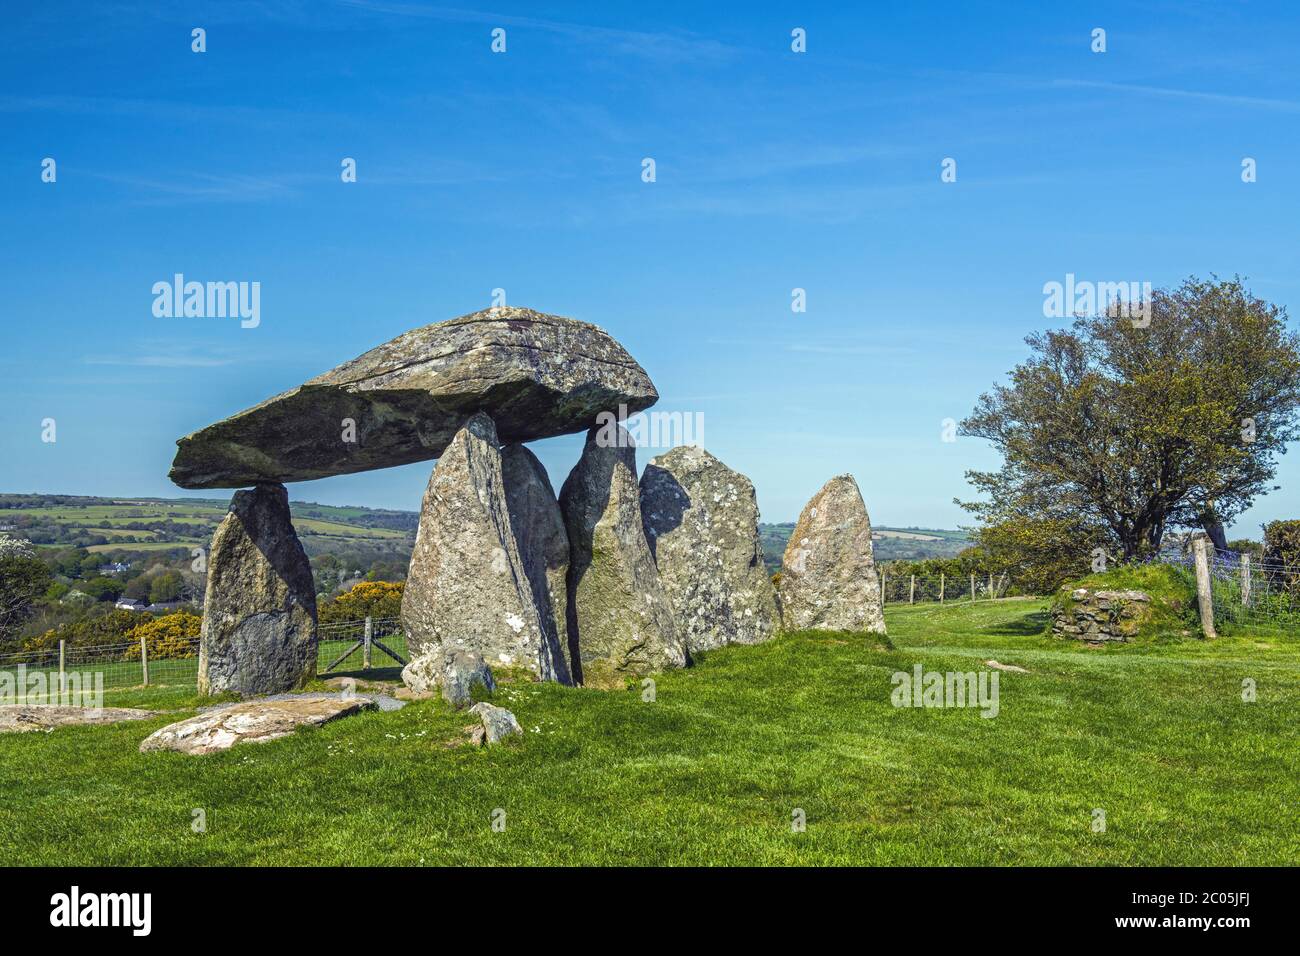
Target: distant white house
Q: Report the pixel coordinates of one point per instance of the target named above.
(117, 567)
(131, 604)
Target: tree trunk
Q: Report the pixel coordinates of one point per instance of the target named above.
(1214, 528)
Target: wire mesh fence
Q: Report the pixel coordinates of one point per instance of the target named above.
(54, 675)
(900, 588)
(1248, 592)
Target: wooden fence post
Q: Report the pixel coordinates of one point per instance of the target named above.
(992, 593)
(941, 582)
(365, 652)
(911, 591)
(63, 677)
(1245, 580)
(882, 587)
(1204, 596)
(972, 587)
(144, 661)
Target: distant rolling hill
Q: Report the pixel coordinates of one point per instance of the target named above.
(888, 544)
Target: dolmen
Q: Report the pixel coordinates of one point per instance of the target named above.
(609, 581)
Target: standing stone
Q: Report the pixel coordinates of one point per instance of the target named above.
(259, 611)
(701, 522)
(467, 588)
(541, 539)
(828, 574)
(621, 623)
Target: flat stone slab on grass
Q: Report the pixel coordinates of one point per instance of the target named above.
(255, 721)
(18, 718)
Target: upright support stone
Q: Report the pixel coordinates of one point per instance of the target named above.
(467, 588)
(543, 544)
(701, 523)
(1204, 594)
(259, 611)
(621, 624)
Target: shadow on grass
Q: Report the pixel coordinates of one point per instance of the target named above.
(1033, 624)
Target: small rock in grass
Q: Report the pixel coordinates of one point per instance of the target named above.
(498, 723)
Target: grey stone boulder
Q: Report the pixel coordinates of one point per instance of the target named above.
(259, 610)
(621, 623)
(456, 672)
(467, 587)
(541, 539)
(701, 522)
(828, 572)
(536, 375)
(498, 724)
(252, 721)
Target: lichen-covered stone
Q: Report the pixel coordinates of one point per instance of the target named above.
(467, 587)
(536, 375)
(621, 623)
(498, 724)
(541, 539)
(828, 573)
(18, 718)
(259, 610)
(252, 721)
(456, 671)
(701, 522)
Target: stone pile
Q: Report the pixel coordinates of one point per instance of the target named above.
(1099, 616)
(610, 581)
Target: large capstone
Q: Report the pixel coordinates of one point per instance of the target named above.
(828, 573)
(541, 539)
(536, 376)
(259, 611)
(621, 623)
(467, 587)
(701, 522)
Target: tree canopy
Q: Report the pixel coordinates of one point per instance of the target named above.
(1115, 431)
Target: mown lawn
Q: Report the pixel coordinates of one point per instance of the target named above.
(711, 771)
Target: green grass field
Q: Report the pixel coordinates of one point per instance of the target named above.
(1157, 736)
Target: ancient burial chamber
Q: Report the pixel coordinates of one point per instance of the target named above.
(828, 572)
(701, 523)
(468, 587)
(621, 623)
(536, 375)
(530, 375)
(259, 610)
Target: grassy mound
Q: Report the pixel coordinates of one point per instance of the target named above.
(1172, 613)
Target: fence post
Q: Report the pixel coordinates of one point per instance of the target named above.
(882, 587)
(941, 582)
(911, 591)
(1204, 597)
(144, 661)
(365, 652)
(992, 594)
(63, 677)
(1245, 580)
(972, 587)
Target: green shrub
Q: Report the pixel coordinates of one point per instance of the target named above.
(1172, 612)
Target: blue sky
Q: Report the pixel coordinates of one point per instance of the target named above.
(522, 170)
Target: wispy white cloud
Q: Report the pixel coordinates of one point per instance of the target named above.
(679, 45)
(1204, 96)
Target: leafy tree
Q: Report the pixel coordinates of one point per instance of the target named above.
(165, 586)
(1114, 432)
(23, 580)
(103, 588)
